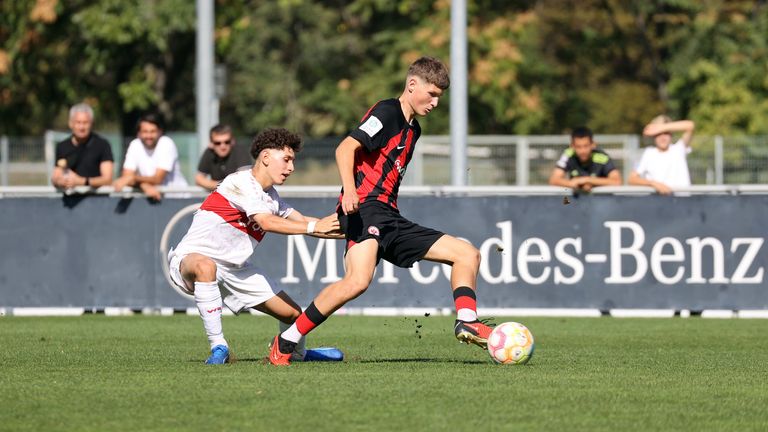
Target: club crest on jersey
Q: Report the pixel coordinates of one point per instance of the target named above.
(372, 230)
(372, 126)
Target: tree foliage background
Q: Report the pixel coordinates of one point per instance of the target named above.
(536, 67)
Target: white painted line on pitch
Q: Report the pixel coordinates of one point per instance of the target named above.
(154, 311)
(717, 313)
(752, 314)
(118, 311)
(595, 258)
(47, 311)
(2, 312)
(642, 313)
(540, 312)
(193, 311)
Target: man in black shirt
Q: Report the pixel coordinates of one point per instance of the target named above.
(583, 166)
(84, 158)
(221, 158)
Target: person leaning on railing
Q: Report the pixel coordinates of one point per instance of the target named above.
(84, 158)
(583, 166)
(665, 166)
(152, 160)
(222, 157)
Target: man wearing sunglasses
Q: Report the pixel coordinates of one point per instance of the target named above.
(221, 158)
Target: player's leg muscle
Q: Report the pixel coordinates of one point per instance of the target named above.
(460, 255)
(282, 307)
(361, 263)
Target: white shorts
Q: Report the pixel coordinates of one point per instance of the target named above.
(241, 288)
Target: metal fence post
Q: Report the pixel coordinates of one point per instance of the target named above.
(719, 159)
(631, 146)
(49, 153)
(522, 164)
(5, 156)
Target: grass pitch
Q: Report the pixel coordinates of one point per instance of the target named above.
(147, 373)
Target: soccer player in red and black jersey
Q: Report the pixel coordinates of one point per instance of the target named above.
(372, 162)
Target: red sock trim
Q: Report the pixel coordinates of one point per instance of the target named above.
(304, 324)
(466, 302)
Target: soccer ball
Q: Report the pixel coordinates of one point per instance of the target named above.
(510, 343)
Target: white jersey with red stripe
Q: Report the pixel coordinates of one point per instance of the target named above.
(222, 228)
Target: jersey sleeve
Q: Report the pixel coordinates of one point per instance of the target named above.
(246, 195)
(642, 166)
(106, 152)
(204, 166)
(59, 152)
(680, 147)
(562, 163)
(608, 167)
(284, 209)
(131, 156)
(369, 131)
(166, 154)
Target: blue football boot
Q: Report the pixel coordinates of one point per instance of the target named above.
(219, 355)
(323, 354)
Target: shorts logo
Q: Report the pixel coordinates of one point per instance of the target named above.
(373, 230)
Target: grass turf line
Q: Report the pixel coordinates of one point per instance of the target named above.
(146, 373)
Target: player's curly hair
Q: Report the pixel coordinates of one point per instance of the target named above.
(275, 138)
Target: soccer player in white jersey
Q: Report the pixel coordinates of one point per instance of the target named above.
(212, 258)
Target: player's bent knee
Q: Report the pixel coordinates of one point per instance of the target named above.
(354, 287)
(469, 256)
(204, 269)
(473, 256)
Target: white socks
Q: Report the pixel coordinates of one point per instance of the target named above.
(291, 333)
(208, 299)
(301, 345)
(466, 315)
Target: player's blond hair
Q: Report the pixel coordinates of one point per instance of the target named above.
(661, 119)
(431, 70)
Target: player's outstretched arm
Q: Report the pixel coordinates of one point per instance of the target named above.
(296, 223)
(327, 227)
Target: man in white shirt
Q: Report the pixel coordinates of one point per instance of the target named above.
(211, 260)
(151, 160)
(665, 165)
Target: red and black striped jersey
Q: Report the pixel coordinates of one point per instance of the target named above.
(387, 142)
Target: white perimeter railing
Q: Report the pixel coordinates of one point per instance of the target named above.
(333, 191)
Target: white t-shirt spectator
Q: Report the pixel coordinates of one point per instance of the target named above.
(669, 167)
(146, 162)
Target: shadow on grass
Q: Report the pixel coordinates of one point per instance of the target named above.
(264, 360)
(421, 360)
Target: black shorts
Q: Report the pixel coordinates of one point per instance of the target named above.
(401, 241)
